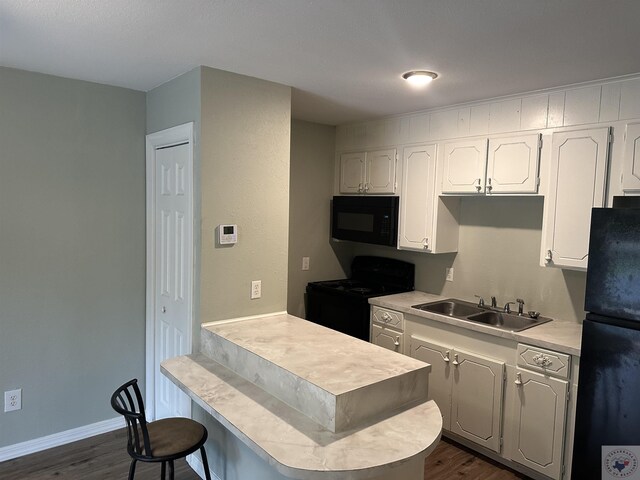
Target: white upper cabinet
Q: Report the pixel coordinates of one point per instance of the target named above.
(373, 173)
(418, 198)
(464, 166)
(508, 165)
(631, 172)
(352, 170)
(427, 223)
(577, 183)
(512, 164)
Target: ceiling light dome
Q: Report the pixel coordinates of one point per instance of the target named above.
(419, 78)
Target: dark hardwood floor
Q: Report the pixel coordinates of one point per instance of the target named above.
(104, 457)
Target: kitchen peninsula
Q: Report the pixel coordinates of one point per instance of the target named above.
(313, 403)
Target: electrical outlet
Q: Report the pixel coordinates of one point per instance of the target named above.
(449, 273)
(13, 400)
(256, 289)
(305, 263)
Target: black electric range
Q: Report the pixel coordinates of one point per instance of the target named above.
(343, 305)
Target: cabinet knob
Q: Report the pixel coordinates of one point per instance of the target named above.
(455, 359)
(397, 342)
(426, 244)
(163, 309)
(366, 187)
(518, 379)
(548, 257)
(542, 360)
(446, 356)
(386, 317)
(360, 189)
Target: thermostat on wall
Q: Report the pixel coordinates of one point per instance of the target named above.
(227, 234)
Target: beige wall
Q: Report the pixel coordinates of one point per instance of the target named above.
(245, 150)
(498, 255)
(312, 166)
(72, 249)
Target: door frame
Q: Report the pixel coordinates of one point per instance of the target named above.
(165, 138)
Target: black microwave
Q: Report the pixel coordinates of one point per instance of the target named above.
(365, 219)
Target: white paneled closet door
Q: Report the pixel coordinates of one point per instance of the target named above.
(172, 272)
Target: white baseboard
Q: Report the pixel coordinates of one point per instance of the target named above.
(195, 462)
(43, 443)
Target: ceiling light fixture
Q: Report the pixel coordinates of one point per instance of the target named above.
(419, 78)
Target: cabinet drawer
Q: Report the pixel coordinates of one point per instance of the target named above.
(388, 318)
(545, 361)
(389, 339)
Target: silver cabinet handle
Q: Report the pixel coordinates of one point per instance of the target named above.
(426, 244)
(455, 359)
(163, 309)
(518, 379)
(479, 184)
(489, 187)
(548, 257)
(360, 189)
(397, 342)
(366, 187)
(386, 318)
(446, 356)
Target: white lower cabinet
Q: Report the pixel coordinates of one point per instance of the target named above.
(540, 408)
(509, 400)
(387, 329)
(387, 338)
(468, 387)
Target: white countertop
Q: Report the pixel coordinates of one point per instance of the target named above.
(290, 441)
(556, 335)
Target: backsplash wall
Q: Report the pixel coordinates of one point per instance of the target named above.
(498, 254)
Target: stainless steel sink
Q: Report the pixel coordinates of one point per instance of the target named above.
(472, 313)
(450, 307)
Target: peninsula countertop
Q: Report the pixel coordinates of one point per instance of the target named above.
(291, 442)
(558, 335)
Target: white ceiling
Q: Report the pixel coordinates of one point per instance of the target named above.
(343, 58)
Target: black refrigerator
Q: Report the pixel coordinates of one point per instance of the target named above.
(607, 432)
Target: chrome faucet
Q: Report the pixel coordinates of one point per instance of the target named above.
(494, 302)
(520, 306)
(481, 301)
(507, 308)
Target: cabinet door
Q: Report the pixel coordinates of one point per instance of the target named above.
(576, 184)
(439, 356)
(539, 422)
(352, 166)
(512, 164)
(418, 198)
(476, 399)
(631, 175)
(464, 166)
(386, 338)
(380, 172)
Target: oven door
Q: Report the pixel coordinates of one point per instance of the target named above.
(344, 313)
(365, 219)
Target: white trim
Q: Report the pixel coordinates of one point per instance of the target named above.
(163, 138)
(240, 319)
(61, 438)
(195, 462)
